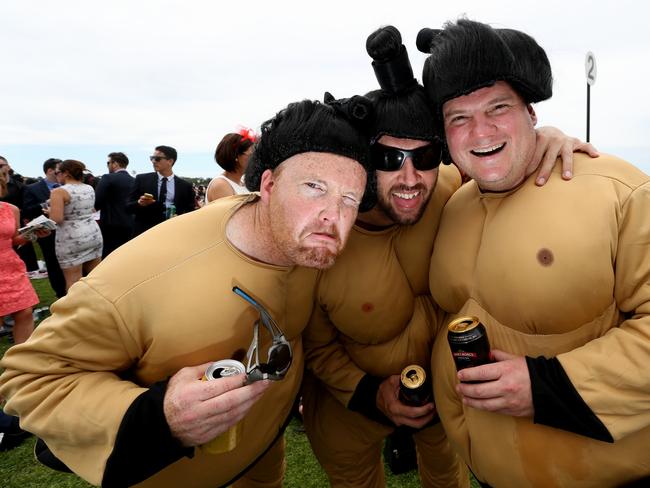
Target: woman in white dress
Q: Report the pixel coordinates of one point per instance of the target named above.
(232, 155)
(78, 242)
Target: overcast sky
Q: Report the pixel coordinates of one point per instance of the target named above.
(84, 78)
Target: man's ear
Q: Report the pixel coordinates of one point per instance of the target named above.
(533, 115)
(266, 185)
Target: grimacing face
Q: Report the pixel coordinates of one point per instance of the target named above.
(403, 195)
(491, 135)
(313, 204)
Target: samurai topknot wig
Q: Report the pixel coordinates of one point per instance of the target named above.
(334, 126)
(401, 108)
(467, 55)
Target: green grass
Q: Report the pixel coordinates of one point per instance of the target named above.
(19, 469)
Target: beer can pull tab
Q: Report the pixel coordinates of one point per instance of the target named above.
(414, 389)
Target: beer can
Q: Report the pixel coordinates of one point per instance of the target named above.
(468, 342)
(414, 389)
(228, 440)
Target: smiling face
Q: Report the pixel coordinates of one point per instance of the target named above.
(491, 135)
(313, 201)
(402, 195)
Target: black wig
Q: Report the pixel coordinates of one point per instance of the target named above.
(466, 56)
(335, 126)
(400, 107)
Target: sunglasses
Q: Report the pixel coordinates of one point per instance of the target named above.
(156, 158)
(279, 356)
(385, 158)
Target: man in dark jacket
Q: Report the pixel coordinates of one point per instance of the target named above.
(34, 195)
(157, 196)
(111, 197)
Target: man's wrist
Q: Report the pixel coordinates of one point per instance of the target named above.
(364, 400)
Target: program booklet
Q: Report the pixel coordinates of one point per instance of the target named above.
(39, 223)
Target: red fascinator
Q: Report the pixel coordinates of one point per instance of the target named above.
(247, 133)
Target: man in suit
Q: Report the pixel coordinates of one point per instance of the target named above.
(34, 195)
(111, 196)
(154, 193)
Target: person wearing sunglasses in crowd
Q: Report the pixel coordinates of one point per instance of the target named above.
(112, 380)
(111, 196)
(374, 315)
(558, 276)
(154, 194)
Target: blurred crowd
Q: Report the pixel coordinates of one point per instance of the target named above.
(94, 215)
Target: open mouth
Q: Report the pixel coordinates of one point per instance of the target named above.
(406, 196)
(488, 151)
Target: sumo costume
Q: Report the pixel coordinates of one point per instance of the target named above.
(374, 315)
(559, 274)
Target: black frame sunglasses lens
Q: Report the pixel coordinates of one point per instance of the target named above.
(279, 359)
(428, 157)
(385, 158)
(279, 356)
(156, 158)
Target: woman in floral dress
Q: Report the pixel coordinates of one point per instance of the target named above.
(79, 241)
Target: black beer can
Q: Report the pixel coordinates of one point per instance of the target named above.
(468, 342)
(414, 389)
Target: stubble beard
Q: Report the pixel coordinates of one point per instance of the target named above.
(320, 257)
(384, 202)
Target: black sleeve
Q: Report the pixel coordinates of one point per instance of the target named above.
(558, 404)
(132, 200)
(102, 189)
(144, 443)
(364, 400)
(31, 205)
(137, 190)
(186, 203)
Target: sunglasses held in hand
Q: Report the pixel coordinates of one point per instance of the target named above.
(386, 158)
(279, 356)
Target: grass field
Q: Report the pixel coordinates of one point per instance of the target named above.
(19, 469)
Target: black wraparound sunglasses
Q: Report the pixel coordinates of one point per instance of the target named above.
(280, 354)
(386, 158)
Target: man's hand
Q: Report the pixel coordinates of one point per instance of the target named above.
(388, 403)
(198, 411)
(504, 387)
(146, 200)
(551, 143)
